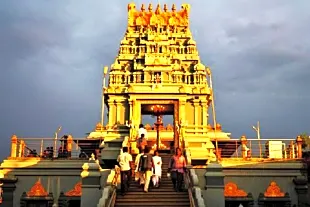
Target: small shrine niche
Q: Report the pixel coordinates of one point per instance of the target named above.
(235, 197)
(72, 198)
(274, 197)
(157, 78)
(37, 196)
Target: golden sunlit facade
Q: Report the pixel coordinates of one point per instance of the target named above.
(158, 64)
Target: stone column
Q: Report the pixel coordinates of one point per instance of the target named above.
(299, 147)
(8, 187)
(69, 145)
(91, 190)
(13, 145)
(214, 193)
(111, 112)
(204, 113)
(196, 109)
(182, 110)
(118, 111)
(137, 110)
(130, 103)
(243, 146)
(301, 187)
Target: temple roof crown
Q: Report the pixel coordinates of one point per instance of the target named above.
(171, 18)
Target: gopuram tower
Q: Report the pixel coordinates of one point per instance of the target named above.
(158, 71)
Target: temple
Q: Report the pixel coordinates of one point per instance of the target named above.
(158, 72)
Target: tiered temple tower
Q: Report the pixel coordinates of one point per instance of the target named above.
(158, 64)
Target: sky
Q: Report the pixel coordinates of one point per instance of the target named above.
(52, 54)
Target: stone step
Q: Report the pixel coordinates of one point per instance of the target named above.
(151, 204)
(161, 189)
(151, 200)
(157, 193)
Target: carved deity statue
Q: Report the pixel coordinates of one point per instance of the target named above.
(157, 78)
(132, 130)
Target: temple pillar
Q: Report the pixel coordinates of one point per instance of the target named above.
(112, 111)
(130, 103)
(301, 188)
(204, 113)
(196, 112)
(8, 188)
(299, 147)
(13, 145)
(118, 105)
(91, 189)
(182, 110)
(244, 152)
(214, 193)
(137, 112)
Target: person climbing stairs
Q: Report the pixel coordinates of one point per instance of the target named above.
(165, 195)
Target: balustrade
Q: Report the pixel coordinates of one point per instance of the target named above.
(66, 147)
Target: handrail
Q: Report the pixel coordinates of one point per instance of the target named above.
(189, 189)
(112, 199)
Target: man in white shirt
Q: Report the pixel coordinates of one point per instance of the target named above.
(142, 130)
(124, 160)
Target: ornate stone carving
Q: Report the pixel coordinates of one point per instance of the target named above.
(231, 190)
(273, 190)
(76, 191)
(37, 190)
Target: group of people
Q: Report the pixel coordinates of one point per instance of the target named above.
(148, 169)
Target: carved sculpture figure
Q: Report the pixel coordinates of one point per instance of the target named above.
(132, 130)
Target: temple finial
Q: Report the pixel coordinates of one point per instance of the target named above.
(150, 7)
(158, 10)
(142, 7)
(165, 7)
(173, 8)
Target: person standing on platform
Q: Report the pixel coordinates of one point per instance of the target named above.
(146, 166)
(141, 131)
(124, 160)
(157, 169)
(177, 168)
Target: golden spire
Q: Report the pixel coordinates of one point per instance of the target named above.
(173, 8)
(142, 8)
(158, 10)
(165, 8)
(150, 7)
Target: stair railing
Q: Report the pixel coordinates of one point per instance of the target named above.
(189, 185)
(111, 201)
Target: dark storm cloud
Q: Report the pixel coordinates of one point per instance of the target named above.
(52, 53)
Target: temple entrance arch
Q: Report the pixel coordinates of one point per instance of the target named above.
(161, 136)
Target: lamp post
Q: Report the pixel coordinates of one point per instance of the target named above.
(55, 141)
(208, 71)
(105, 71)
(158, 111)
(257, 129)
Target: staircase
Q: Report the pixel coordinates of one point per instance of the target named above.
(165, 195)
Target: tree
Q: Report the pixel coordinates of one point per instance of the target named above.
(305, 140)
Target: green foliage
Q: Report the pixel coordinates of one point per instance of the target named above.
(305, 140)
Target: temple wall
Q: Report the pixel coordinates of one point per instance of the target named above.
(190, 117)
(255, 178)
(55, 176)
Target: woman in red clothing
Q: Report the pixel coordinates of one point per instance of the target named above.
(177, 167)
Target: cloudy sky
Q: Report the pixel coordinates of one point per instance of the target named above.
(52, 51)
